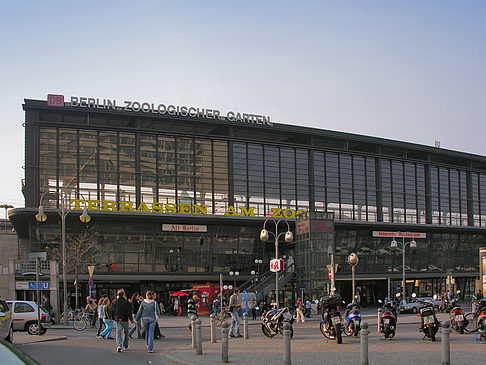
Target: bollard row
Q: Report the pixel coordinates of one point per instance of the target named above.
(224, 342)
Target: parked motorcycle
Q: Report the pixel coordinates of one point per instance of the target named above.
(273, 321)
(388, 321)
(428, 320)
(331, 322)
(458, 320)
(476, 320)
(353, 320)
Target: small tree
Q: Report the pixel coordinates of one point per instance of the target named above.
(82, 250)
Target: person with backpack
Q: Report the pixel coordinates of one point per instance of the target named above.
(149, 312)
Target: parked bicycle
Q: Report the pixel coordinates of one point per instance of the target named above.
(83, 320)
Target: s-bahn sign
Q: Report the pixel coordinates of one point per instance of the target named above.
(156, 108)
(170, 208)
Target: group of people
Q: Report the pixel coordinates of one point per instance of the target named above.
(121, 312)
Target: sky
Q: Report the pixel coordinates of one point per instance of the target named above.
(412, 71)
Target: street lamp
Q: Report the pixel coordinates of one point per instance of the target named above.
(42, 217)
(394, 244)
(353, 261)
(235, 274)
(7, 207)
(289, 237)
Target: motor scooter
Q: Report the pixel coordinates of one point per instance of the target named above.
(429, 324)
(458, 320)
(388, 321)
(353, 320)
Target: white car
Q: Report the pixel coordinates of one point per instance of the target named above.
(24, 317)
(6, 327)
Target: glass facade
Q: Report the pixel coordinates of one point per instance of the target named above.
(140, 167)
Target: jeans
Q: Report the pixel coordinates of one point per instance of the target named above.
(149, 327)
(109, 325)
(137, 327)
(122, 327)
(235, 323)
(100, 326)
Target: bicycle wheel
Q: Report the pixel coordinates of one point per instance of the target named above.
(470, 323)
(80, 323)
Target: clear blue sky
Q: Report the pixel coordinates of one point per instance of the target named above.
(406, 70)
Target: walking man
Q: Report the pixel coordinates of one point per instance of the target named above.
(122, 313)
(234, 307)
(192, 309)
(300, 311)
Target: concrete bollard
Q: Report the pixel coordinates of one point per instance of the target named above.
(287, 358)
(193, 329)
(198, 337)
(212, 322)
(224, 342)
(246, 334)
(446, 342)
(379, 319)
(363, 336)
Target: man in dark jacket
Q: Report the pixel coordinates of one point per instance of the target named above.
(122, 314)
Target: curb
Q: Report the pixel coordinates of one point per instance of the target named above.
(59, 338)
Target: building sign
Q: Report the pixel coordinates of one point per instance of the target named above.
(384, 234)
(276, 265)
(184, 228)
(32, 285)
(190, 209)
(154, 108)
(482, 270)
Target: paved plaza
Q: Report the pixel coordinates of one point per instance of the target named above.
(308, 346)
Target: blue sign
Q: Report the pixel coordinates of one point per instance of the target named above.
(43, 285)
(302, 286)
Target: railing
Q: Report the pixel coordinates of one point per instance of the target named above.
(267, 282)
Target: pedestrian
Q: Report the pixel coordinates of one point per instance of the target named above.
(300, 311)
(48, 307)
(252, 305)
(107, 319)
(148, 313)
(234, 306)
(308, 307)
(176, 307)
(138, 326)
(92, 309)
(122, 314)
(216, 307)
(100, 318)
(192, 309)
(157, 333)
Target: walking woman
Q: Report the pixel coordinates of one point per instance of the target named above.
(148, 311)
(107, 318)
(100, 318)
(136, 305)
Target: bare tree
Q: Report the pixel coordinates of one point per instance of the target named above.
(82, 250)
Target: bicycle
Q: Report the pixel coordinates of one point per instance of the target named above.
(82, 321)
(71, 314)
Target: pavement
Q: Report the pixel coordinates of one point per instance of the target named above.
(308, 345)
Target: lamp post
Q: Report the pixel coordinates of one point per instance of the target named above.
(235, 274)
(7, 207)
(394, 244)
(353, 261)
(289, 237)
(42, 217)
